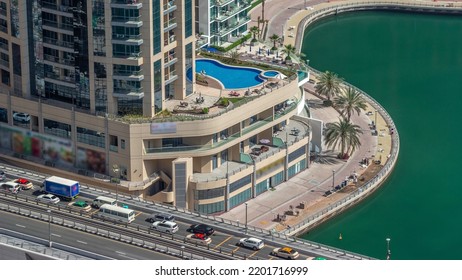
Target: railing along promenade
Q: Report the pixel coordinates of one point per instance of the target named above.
(368, 187)
(334, 8)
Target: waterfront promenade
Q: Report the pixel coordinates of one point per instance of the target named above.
(325, 171)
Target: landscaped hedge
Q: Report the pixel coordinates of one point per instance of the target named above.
(255, 3)
(233, 45)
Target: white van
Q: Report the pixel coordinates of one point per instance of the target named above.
(100, 200)
(165, 226)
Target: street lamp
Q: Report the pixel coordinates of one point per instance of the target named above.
(333, 178)
(388, 248)
(245, 217)
(115, 169)
(375, 120)
(49, 228)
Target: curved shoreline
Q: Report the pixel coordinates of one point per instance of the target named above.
(373, 184)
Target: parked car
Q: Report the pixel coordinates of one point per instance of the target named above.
(160, 217)
(201, 228)
(165, 226)
(48, 198)
(2, 176)
(286, 253)
(11, 186)
(199, 239)
(24, 183)
(21, 117)
(80, 205)
(252, 243)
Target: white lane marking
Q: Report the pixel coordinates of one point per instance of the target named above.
(83, 242)
(127, 257)
(57, 235)
(120, 253)
(18, 225)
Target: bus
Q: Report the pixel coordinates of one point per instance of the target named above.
(116, 213)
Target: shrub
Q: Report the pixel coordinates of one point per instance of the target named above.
(205, 110)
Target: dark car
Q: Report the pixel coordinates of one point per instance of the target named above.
(201, 228)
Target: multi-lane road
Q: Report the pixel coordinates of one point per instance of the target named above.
(224, 241)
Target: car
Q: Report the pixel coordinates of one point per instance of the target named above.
(201, 228)
(2, 176)
(80, 205)
(48, 198)
(11, 187)
(24, 183)
(165, 226)
(160, 217)
(252, 243)
(198, 239)
(21, 117)
(286, 253)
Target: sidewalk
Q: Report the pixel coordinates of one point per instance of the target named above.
(309, 186)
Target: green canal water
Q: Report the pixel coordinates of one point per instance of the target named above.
(412, 65)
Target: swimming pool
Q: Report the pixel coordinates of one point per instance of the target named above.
(232, 77)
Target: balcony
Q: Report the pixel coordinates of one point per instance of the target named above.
(232, 26)
(4, 46)
(169, 7)
(62, 26)
(54, 42)
(133, 92)
(3, 12)
(60, 8)
(169, 60)
(170, 77)
(128, 75)
(170, 24)
(134, 55)
(5, 63)
(233, 10)
(66, 79)
(127, 21)
(126, 4)
(125, 39)
(220, 3)
(55, 59)
(169, 40)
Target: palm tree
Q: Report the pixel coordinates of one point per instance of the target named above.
(274, 38)
(328, 85)
(288, 51)
(254, 30)
(349, 102)
(343, 134)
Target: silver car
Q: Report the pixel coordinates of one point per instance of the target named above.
(48, 198)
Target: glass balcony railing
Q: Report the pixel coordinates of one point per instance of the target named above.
(231, 26)
(59, 43)
(170, 24)
(169, 7)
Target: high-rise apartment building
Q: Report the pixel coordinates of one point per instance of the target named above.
(88, 86)
(221, 21)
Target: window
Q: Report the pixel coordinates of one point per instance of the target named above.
(188, 19)
(240, 198)
(240, 183)
(262, 186)
(122, 144)
(297, 153)
(277, 179)
(212, 193)
(214, 162)
(296, 168)
(211, 207)
(224, 156)
(156, 26)
(57, 128)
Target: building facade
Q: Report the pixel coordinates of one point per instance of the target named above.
(87, 86)
(221, 21)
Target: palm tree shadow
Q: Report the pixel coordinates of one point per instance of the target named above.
(328, 157)
(315, 104)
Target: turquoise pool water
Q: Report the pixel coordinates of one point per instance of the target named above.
(270, 74)
(230, 76)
